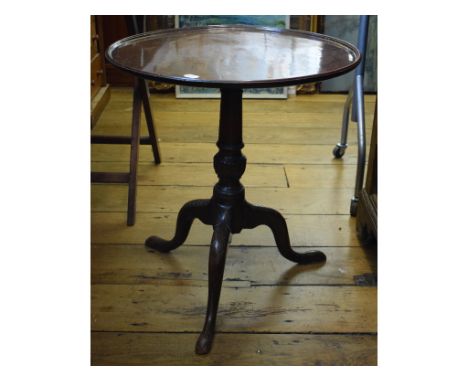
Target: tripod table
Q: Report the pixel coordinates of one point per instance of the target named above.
(231, 58)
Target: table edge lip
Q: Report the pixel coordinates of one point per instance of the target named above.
(237, 84)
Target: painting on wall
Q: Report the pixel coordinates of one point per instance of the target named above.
(275, 21)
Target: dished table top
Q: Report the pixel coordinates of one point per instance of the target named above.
(233, 56)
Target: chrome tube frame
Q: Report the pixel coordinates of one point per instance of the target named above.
(355, 101)
(361, 135)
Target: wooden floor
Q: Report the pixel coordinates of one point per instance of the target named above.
(148, 308)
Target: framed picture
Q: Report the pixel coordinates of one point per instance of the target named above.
(275, 21)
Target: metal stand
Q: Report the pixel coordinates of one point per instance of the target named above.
(356, 98)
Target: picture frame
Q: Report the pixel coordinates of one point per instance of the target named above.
(276, 21)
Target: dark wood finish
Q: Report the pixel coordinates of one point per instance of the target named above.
(115, 28)
(228, 212)
(231, 58)
(101, 47)
(320, 23)
(152, 138)
(366, 214)
(109, 177)
(134, 146)
(118, 140)
(259, 56)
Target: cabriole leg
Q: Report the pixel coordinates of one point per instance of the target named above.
(255, 216)
(196, 209)
(218, 249)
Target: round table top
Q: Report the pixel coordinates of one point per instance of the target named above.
(233, 56)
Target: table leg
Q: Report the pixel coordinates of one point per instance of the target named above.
(218, 249)
(255, 216)
(195, 209)
(134, 152)
(153, 139)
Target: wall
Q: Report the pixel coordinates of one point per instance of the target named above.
(346, 28)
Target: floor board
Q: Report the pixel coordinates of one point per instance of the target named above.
(124, 348)
(132, 264)
(113, 198)
(196, 174)
(260, 153)
(276, 308)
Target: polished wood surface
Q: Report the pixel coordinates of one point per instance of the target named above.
(234, 56)
(334, 331)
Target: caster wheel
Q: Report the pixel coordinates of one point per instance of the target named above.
(353, 207)
(338, 152)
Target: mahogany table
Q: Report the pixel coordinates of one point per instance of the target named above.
(231, 58)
